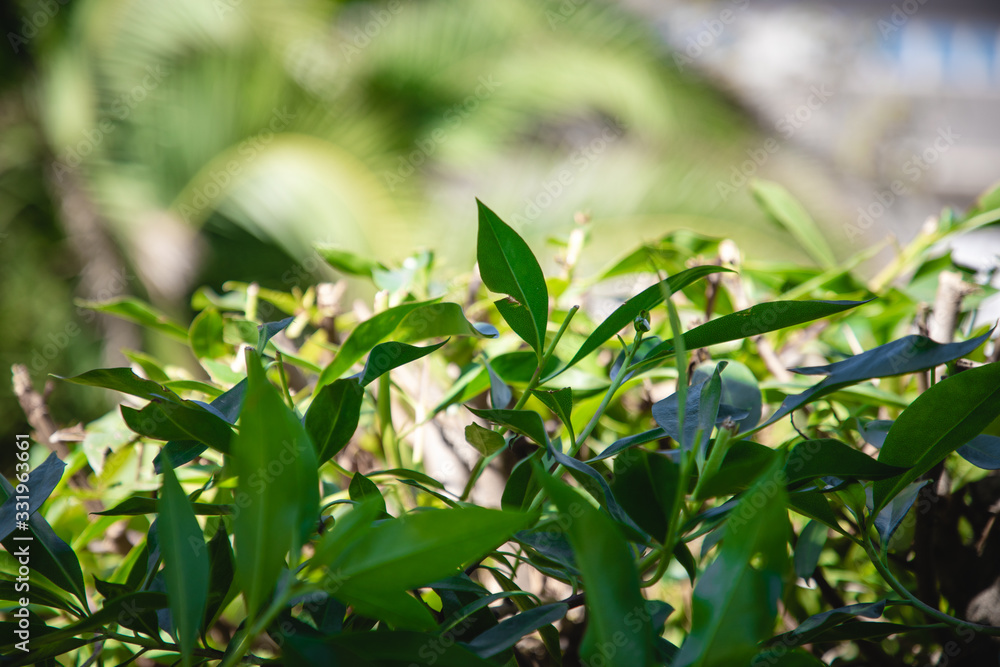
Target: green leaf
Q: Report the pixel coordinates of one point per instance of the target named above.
(134, 310)
(560, 402)
(348, 262)
(816, 625)
(185, 563)
(616, 610)
(123, 380)
(40, 483)
(205, 335)
(510, 631)
(333, 416)
(624, 315)
(386, 356)
(739, 389)
(827, 457)
(522, 484)
(939, 421)
(595, 484)
(742, 465)
(778, 203)
(484, 440)
(186, 420)
(906, 355)
(525, 422)
(221, 571)
(890, 516)
(375, 649)
(645, 485)
(268, 330)
(50, 555)
(808, 548)
(417, 548)
(345, 532)
(815, 506)
(362, 489)
(983, 451)
(627, 442)
(13, 590)
(437, 319)
(139, 505)
(278, 488)
(735, 601)
(508, 266)
(500, 393)
(753, 321)
(696, 414)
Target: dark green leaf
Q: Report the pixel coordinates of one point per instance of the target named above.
(560, 402)
(484, 440)
(630, 441)
(645, 485)
(138, 505)
(525, 422)
(815, 506)
(384, 649)
(743, 464)
(623, 316)
(753, 321)
(665, 414)
(826, 457)
(123, 380)
(511, 630)
(333, 416)
(221, 571)
(276, 464)
(522, 485)
(125, 607)
(815, 625)
(983, 451)
(615, 608)
(268, 330)
(185, 563)
(906, 355)
(177, 453)
(13, 590)
(938, 422)
(808, 548)
(595, 484)
(508, 266)
(386, 356)
(500, 393)
(739, 389)
(41, 481)
(895, 510)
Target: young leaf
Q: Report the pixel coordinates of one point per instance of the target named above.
(185, 563)
(332, 417)
(508, 266)
(386, 356)
(739, 389)
(808, 549)
(938, 422)
(500, 393)
(525, 422)
(561, 403)
(665, 414)
(895, 511)
(484, 440)
(134, 310)
(276, 464)
(205, 335)
(362, 489)
(789, 214)
(348, 262)
(615, 607)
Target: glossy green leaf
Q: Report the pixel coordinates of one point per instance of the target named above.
(560, 401)
(525, 422)
(347, 529)
(417, 548)
(138, 311)
(278, 488)
(510, 631)
(437, 319)
(753, 321)
(735, 601)
(393, 606)
(500, 393)
(616, 610)
(522, 484)
(386, 356)
(595, 484)
(739, 389)
(627, 442)
(508, 266)
(268, 330)
(112, 611)
(815, 506)
(40, 483)
(484, 440)
(827, 457)
(221, 572)
(808, 548)
(938, 422)
(123, 380)
(624, 315)
(185, 563)
(332, 417)
(166, 420)
(816, 625)
(205, 335)
(361, 489)
(906, 355)
(12, 590)
(785, 210)
(890, 516)
(645, 485)
(696, 415)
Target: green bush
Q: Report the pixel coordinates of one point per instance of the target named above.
(660, 469)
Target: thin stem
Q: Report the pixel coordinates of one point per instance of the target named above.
(284, 379)
(153, 644)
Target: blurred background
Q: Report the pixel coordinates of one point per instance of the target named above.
(148, 148)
